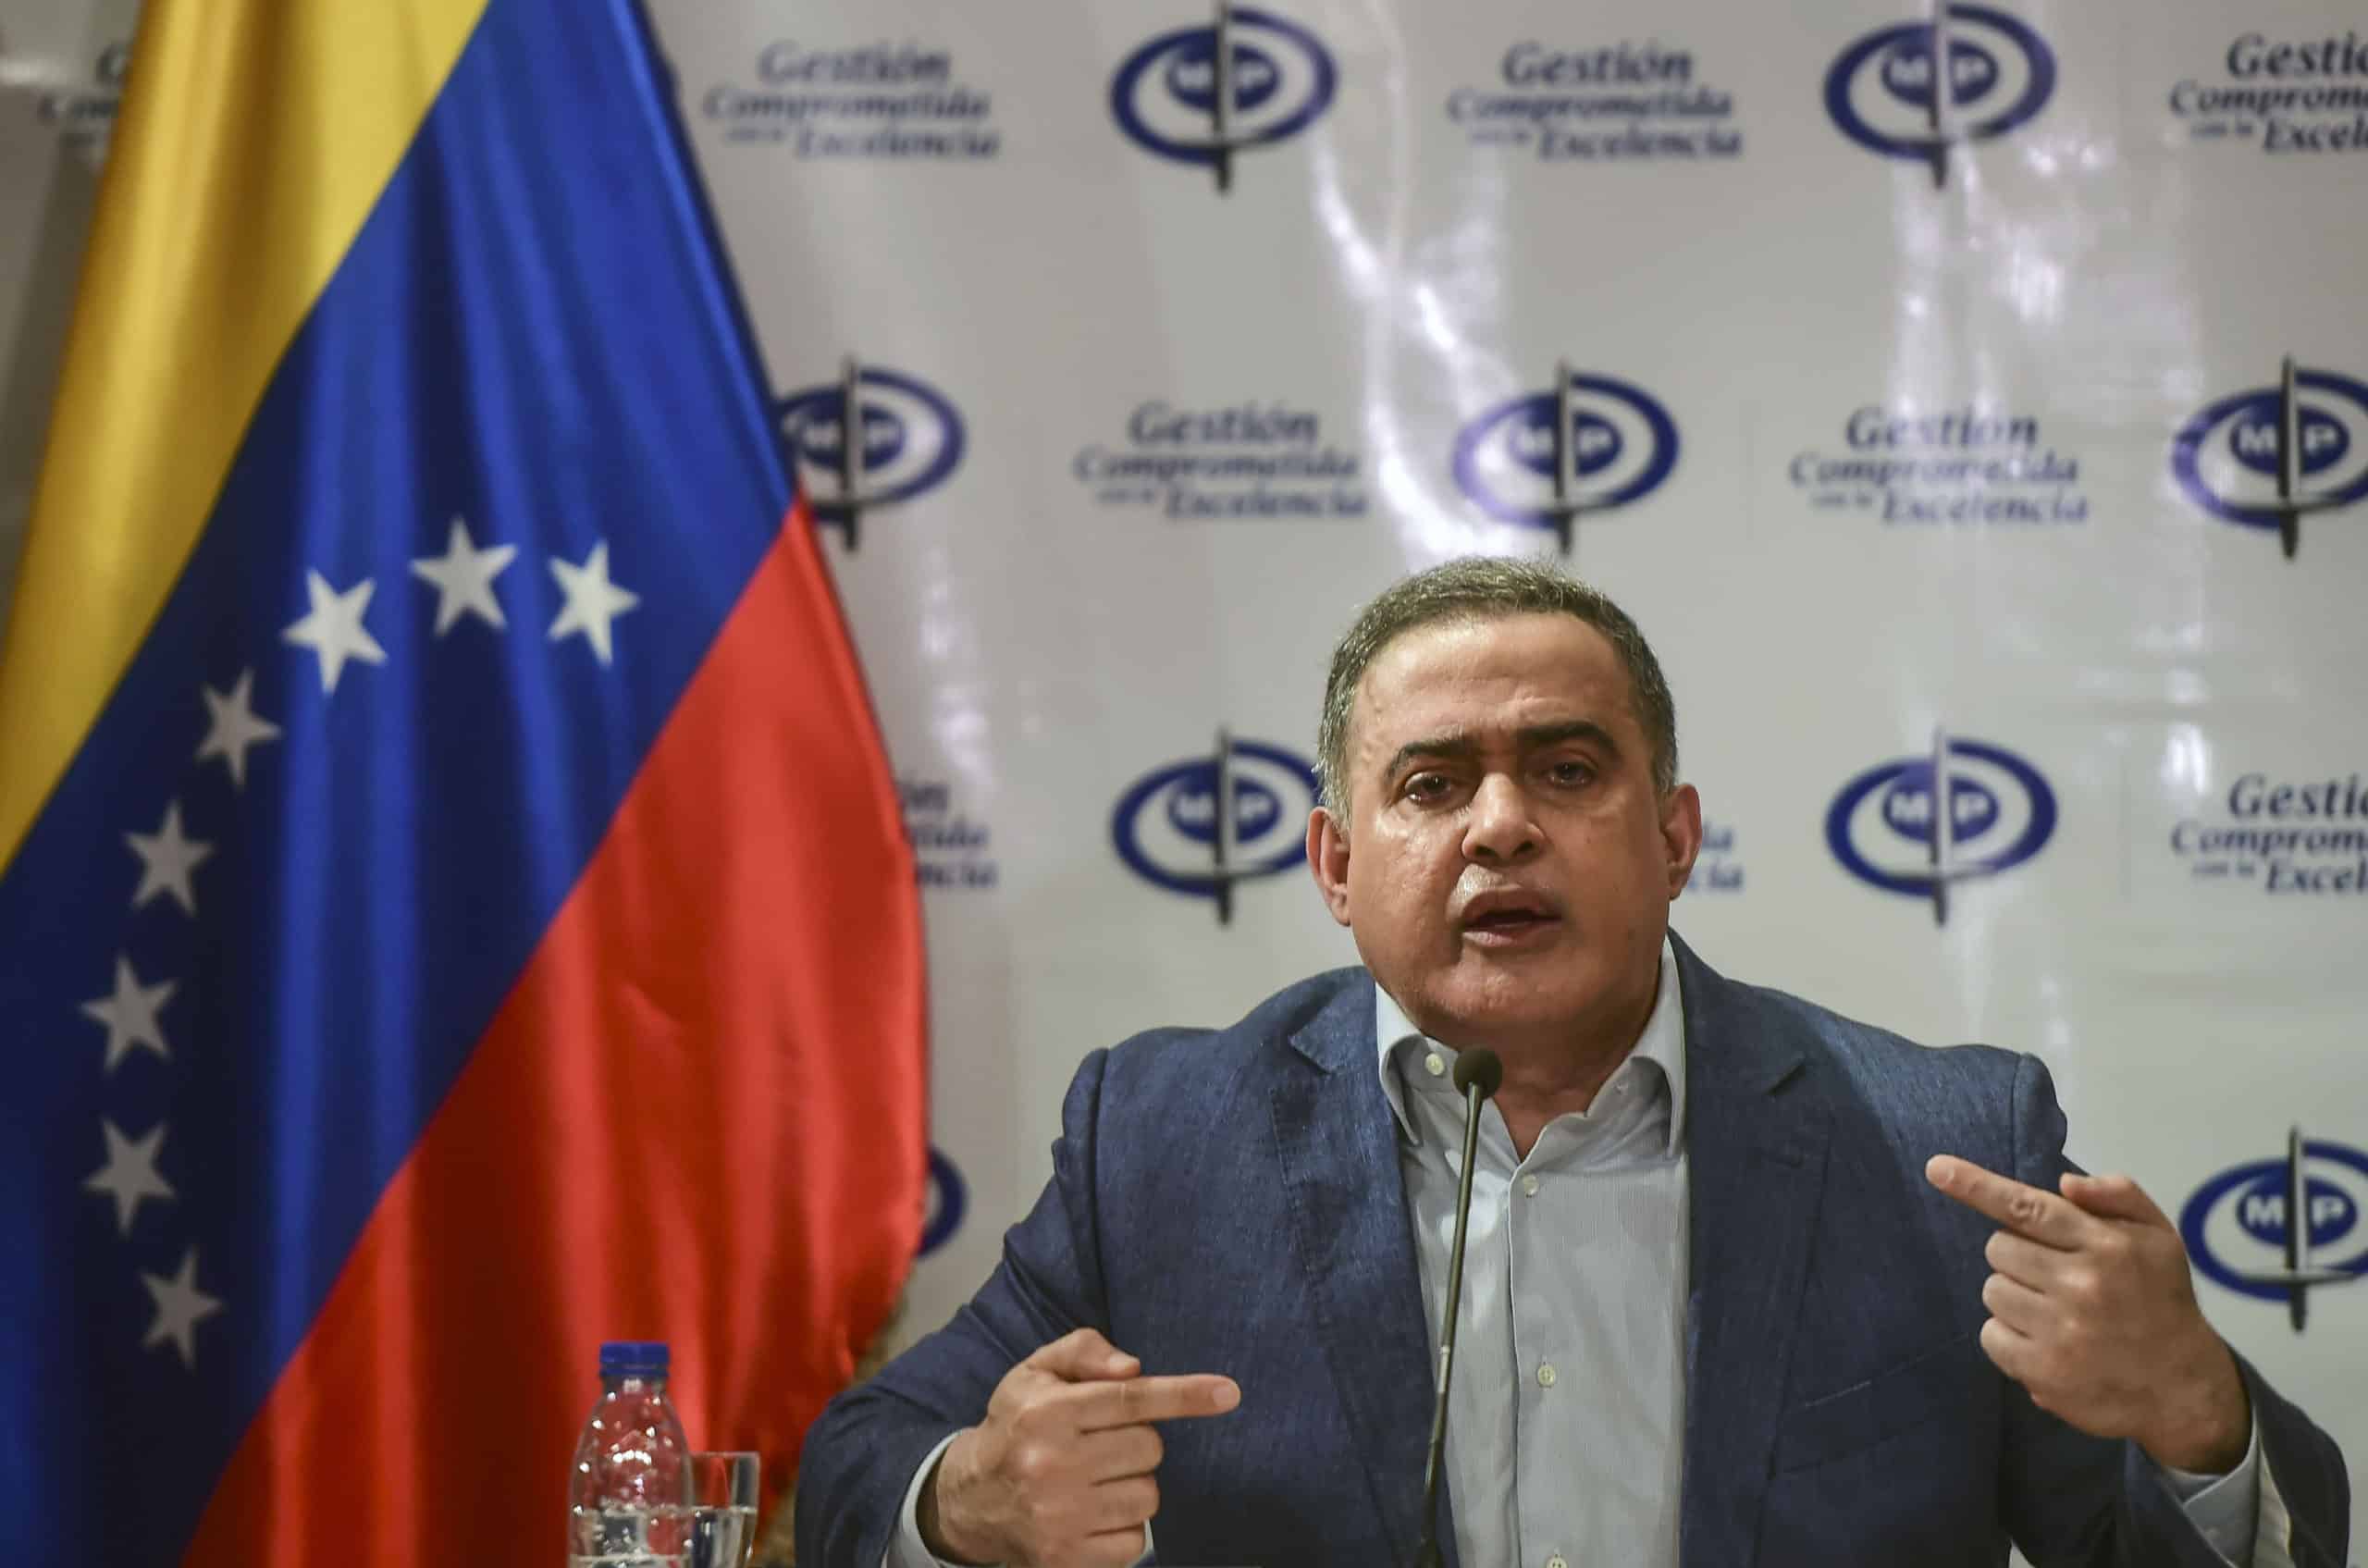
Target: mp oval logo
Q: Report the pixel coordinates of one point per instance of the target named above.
(2276, 1229)
(1201, 826)
(871, 440)
(1205, 95)
(948, 1200)
(1917, 826)
(2267, 457)
(1913, 91)
(1585, 444)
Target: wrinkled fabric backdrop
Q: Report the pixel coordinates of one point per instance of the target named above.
(1948, 450)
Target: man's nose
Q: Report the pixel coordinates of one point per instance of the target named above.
(1500, 828)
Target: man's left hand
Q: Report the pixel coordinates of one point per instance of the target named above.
(2092, 1312)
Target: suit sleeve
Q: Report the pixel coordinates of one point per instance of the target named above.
(2068, 1499)
(863, 1450)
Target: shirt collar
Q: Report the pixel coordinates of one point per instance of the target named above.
(1662, 1044)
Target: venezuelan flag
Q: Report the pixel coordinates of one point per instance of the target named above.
(453, 908)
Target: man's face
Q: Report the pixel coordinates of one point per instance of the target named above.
(1509, 866)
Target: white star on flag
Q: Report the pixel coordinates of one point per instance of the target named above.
(180, 1307)
(232, 728)
(593, 601)
(167, 859)
(463, 577)
(130, 1015)
(129, 1174)
(333, 627)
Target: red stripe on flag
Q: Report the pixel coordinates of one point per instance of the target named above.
(699, 1118)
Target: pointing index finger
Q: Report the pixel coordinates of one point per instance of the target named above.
(1101, 1406)
(2023, 1209)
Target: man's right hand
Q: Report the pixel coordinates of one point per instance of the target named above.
(1060, 1473)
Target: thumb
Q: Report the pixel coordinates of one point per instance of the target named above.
(1082, 1356)
(2112, 1197)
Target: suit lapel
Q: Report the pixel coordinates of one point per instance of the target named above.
(1756, 1143)
(1339, 1153)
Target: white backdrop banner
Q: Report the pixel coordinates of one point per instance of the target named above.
(1971, 402)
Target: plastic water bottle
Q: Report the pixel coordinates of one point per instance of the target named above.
(627, 1500)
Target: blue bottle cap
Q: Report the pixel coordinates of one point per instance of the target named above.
(633, 1358)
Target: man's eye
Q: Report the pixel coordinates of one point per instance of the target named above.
(1426, 786)
(1571, 772)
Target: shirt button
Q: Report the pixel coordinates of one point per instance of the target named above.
(1434, 1064)
(1545, 1373)
(1556, 1562)
(1529, 1185)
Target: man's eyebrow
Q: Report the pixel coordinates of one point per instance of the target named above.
(1458, 745)
(1538, 736)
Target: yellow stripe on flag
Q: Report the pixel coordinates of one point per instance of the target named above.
(255, 137)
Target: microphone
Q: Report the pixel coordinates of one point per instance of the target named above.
(1477, 1073)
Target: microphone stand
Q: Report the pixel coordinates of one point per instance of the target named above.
(1477, 1073)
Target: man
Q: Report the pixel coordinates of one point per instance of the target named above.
(1748, 1283)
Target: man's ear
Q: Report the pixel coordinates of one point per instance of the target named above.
(1680, 834)
(1327, 861)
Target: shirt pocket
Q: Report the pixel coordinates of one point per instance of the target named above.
(1926, 1387)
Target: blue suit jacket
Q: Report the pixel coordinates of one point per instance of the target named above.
(1231, 1202)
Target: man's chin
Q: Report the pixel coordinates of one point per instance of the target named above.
(1490, 1014)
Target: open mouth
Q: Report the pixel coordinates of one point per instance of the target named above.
(1497, 918)
(1510, 920)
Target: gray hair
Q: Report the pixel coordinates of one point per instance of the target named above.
(1480, 588)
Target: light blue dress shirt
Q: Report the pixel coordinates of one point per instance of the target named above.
(1566, 1421)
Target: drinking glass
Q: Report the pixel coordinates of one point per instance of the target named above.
(723, 1509)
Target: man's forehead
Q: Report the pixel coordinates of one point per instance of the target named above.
(1468, 670)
